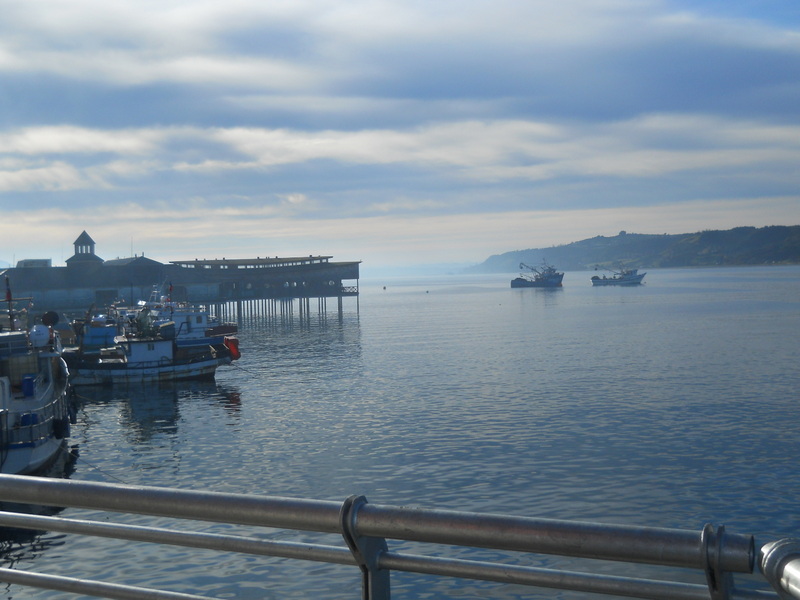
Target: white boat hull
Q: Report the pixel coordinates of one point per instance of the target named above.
(32, 458)
(148, 360)
(35, 412)
(630, 279)
(128, 374)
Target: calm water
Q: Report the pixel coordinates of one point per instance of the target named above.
(671, 404)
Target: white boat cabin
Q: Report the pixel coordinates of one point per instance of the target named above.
(146, 350)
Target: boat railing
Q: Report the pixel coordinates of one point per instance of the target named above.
(30, 427)
(14, 343)
(699, 564)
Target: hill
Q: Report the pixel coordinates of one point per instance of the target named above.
(739, 246)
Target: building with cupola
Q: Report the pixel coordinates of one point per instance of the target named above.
(88, 282)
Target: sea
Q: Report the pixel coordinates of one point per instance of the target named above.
(671, 404)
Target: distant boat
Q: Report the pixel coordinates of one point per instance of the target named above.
(545, 276)
(621, 277)
(35, 413)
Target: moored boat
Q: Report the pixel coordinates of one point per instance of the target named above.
(621, 277)
(193, 324)
(149, 358)
(545, 276)
(35, 412)
(154, 341)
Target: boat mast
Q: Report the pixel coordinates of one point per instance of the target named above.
(10, 304)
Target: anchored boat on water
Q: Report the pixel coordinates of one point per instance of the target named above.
(193, 324)
(145, 344)
(35, 412)
(134, 359)
(545, 276)
(621, 277)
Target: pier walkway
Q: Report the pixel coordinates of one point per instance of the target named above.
(719, 559)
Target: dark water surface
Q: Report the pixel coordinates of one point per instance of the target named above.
(670, 404)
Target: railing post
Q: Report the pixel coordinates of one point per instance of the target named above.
(780, 564)
(720, 582)
(366, 550)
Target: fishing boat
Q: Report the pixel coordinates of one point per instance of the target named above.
(545, 276)
(621, 277)
(136, 358)
(35, 412)
(156, 340)
(193, 324)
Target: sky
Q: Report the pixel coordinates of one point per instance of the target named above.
(397, 133)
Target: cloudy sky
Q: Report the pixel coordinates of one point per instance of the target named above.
(392, 132)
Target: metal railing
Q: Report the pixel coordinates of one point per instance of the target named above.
(366, 527)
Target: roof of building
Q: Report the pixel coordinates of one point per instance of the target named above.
(131, 260)
(258, 262)
(83, 258)
(84, 239)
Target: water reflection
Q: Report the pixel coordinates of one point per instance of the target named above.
(147, 414)
(534, 297)
(276, 356)
(292, 314)
(148, 411)
(18, 544)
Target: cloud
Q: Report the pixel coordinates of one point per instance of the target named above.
(385, 49)
(488, 152)
(53, 177)
(392, 121)
(67, 139)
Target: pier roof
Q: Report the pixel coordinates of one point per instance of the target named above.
(251, 263)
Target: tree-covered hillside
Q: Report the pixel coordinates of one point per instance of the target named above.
(739, 246)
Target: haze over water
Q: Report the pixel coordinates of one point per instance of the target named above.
(671, 404)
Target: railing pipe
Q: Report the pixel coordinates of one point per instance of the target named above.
(99, 589)
(219, 507)
(780, 564)
(188, 539)
(388, 561)
(365, 527)
(549, 578)
(673, 547)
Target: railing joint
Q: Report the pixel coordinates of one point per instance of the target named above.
(366, 550)
(720, 582)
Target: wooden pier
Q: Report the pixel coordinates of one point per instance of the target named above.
(266, 287)
(276, 309)
(232, 287)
